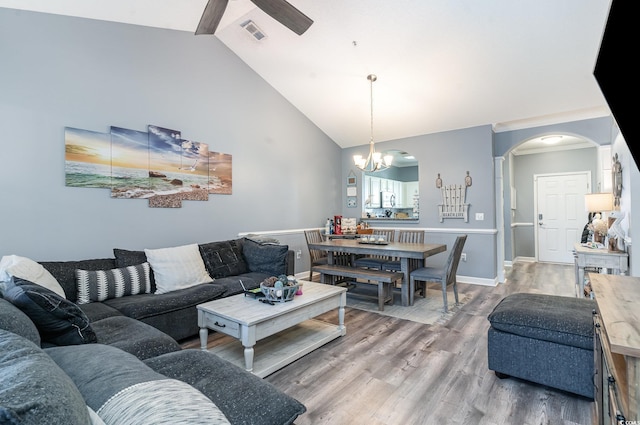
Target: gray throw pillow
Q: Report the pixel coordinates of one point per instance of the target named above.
(58, 320)
(223, 258)
(265, 258)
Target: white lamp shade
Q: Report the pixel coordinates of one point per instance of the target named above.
(598, 202)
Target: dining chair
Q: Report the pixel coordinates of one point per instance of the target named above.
(404, 236)
(376, 261)
(445, 274)
(316, 256)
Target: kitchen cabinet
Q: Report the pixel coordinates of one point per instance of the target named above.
(397, 189)
(386, 185)
(410, 191)
(404, 191)
(372, 192)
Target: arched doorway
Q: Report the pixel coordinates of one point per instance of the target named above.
(525, 166)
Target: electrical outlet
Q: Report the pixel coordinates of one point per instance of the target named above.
(479, 216)
(298, 254)
(463, 256)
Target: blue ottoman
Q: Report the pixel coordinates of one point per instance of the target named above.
(545, 339)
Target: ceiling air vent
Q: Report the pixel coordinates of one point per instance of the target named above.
(253, 29)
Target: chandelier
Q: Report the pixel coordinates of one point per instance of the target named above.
(374, 161)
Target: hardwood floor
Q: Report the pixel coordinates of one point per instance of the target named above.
(392, 371)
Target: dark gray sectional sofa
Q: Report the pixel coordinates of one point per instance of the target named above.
(175, 313)
(118, 361)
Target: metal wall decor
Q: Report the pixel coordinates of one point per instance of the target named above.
(616, 179)
(453, 199)
(157, 165)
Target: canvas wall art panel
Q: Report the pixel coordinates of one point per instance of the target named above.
(129, 164)
(158, 165)
(87, 158)
(220, 173)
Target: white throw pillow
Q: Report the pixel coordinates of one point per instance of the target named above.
(177, 268)
(27, 269)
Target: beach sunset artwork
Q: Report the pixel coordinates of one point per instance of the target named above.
(158, 165)
(129, 164)
(87, 158)
(220, 175)
(177, 168)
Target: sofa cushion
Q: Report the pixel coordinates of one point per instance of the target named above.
(122, 389)
(126, 258)
(65, 272)
(98, 311)
(25, 268)
(558, 319)
(265, 258)
(243, 397)
(34, 389)
(59, 321)
(232, 284)
(223, 258)
(134, 337)
(14, 320)
(100, 285)
(148, 305)
(177, 267)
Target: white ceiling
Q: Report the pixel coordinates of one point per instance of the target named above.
(441, 64)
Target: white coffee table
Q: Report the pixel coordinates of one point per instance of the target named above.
(287, 331)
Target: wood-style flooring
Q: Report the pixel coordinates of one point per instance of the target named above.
(393, 371)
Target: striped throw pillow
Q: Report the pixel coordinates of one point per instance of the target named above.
(102, 285)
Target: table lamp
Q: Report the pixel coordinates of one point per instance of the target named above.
(598, 203)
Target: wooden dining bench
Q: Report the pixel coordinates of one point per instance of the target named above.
(385, 280)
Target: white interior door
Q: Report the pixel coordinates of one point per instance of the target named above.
(560, 214)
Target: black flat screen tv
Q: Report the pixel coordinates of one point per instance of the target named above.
(615, 68)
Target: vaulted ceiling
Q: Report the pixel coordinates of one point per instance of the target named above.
(441, 64)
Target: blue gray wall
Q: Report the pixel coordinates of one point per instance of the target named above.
(523, 169)
(451, 154)
(519, 237)
(60, 71)
(630, 199)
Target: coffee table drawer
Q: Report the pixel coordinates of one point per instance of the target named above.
(221, 324)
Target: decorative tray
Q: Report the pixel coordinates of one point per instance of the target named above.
(374, 243)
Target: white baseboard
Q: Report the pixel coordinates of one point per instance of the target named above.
(524, 260)
(477, 280)
(462, 279)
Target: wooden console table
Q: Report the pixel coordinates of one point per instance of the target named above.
(617, 261)
(617, 348)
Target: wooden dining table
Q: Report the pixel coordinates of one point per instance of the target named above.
(411, 255)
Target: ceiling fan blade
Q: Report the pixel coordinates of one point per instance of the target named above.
(211, 16)
(283, 12)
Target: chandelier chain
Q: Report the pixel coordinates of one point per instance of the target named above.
(374, 161)
(371, 78)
